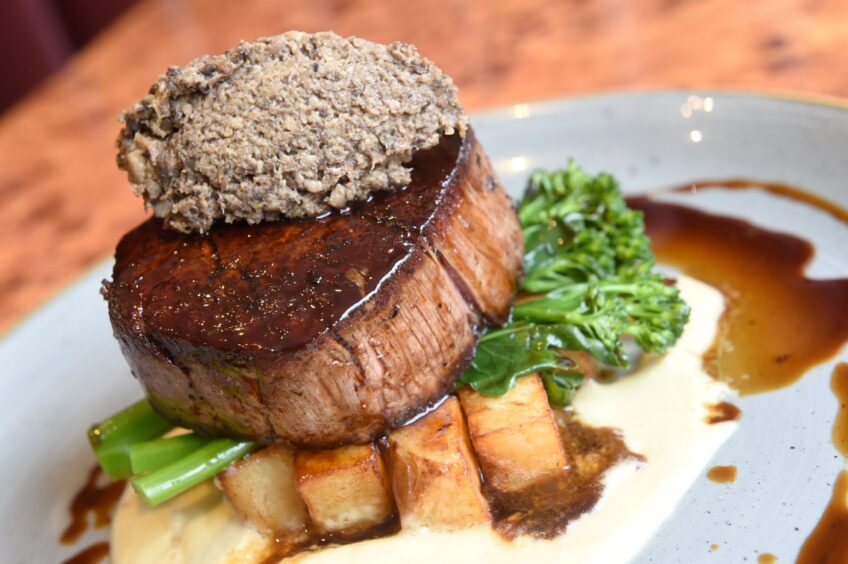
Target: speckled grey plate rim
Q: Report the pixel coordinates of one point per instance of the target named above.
(62, 369)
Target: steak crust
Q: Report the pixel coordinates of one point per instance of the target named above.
(326, 331)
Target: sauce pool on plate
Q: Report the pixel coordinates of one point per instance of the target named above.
(721, 412)
(778, 323)
(99, 500)
(828, 542)
(839, 385)
(722, 474)
(545, 508)
(95, 499)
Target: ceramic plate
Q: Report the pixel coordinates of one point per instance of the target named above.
(61, 369)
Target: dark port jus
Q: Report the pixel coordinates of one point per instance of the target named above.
(721, 412)
(96, 499)
(722, 474)
(779, 322)
(829, 540)
(545, 508)
(761, 274)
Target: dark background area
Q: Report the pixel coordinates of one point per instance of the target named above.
(38, 36)
(64, 202)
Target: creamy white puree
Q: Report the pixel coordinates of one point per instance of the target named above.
(660, 410)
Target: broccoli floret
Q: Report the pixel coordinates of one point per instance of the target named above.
(587, 255)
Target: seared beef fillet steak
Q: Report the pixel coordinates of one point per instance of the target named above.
(323, 331)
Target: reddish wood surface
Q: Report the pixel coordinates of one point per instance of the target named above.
(65, 204)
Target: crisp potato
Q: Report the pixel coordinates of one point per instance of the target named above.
(515, 436)
(434, 475)
(346, 490)
(261, 489)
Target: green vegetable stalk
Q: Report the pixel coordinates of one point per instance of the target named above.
(201, 465)
(148, 456)
(588, 266)
(112, 438)
(128, 445)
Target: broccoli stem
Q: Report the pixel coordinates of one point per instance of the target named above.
(112, 437)
(149, 456)
(199, 466)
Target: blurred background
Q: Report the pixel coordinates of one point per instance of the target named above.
(38, 36)
(70, 66)
(497, 50)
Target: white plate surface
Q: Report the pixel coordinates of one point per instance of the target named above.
(61, 369)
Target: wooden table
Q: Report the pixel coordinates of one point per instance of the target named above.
(65, 204)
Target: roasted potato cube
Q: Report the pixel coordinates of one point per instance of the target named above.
(434, 475)
(261, 489)
(346, 490)
(515, 436)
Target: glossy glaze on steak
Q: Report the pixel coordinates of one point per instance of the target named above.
(323, 331)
